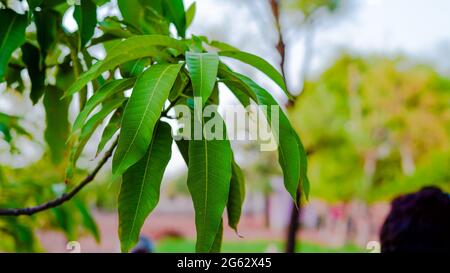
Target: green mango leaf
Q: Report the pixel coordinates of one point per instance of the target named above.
(87, 131)
(85, 15)
(179, 86)
(139, 192)
(142, 113)
(217, 244)
(236, 196)
(203, 70)
(240, 90)
(87, 219)
(174, 11)
(133, 68)
(31, 56)
(291, 153)
(57, 129)
(12, 36)
(106, 91)
(209, 175)
(110, 130)
(133, 48)
(32, 4)
(183, 147)
(46, 22)
(190, 14)
(260, 64)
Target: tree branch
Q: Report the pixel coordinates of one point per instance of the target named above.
(63, 198)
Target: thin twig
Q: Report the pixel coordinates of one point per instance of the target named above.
(63, 198)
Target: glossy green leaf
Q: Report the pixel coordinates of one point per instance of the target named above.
(85, 15)
(139, 192)
(291, 154)
(106, 91)
(209, 175)
(12, 36)
(236, 196)
(203, 71)
(259, 64)
(241, 90)
(174, 11)
(142, 113)
(127, 50)
(31, 57)
(57, 129)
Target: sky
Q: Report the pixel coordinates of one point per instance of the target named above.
(416, 28)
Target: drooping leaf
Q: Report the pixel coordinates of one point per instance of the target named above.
(110, 130)
(203, 70)
(291, 154)
(31, 57)
(236, 196)
(57, 129)
(46, 22)
(103, 93)
(127, 50)
(85, 15)
(259, 64)
(142, 112)
(139, 192)
(174, 11)
(87, 219)
(242, 91)
(190, 14)
(12, 36)
(209, 175)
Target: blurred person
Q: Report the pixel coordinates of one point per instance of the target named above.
(418, 222)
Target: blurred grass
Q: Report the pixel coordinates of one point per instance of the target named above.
(188, 246)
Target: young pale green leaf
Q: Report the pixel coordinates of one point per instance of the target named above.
(139, 192)
(106, 91)
(85, 15)
(57, 129)
(190, 14)
(174, 11)
(236, 196)
(217, 244)
(209, 175)
(203, 70)
(142, 112)
(110, 130)
(31, 56)
(12, 36)
(291, 154)
(259, 64)
(133, 48)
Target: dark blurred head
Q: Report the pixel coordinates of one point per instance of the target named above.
(418, 222)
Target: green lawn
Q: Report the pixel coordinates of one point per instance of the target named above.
(188, 246)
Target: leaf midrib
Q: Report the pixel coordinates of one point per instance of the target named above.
(8, 32)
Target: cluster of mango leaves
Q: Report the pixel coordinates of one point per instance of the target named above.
(164, 68)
